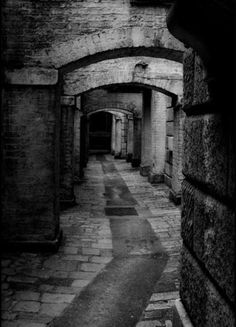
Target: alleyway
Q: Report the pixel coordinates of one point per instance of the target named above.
(117, 266)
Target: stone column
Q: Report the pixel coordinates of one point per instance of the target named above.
(137, 142)
(118, 138)
(113, 134)
(158, 123)
(84, 137)
(130, 137)
(67, 151)
(30, 160)
(177, 175)
(146, 140)
(77, 140)
(123, 136)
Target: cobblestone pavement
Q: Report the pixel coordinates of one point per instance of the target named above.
(38, 289)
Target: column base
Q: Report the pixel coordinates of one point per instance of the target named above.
(112, 152)
(144, 170)
(167, 180)
(117, 156)
(33, 246)
(135, 162)
(155, 178)
(129, 157)
(175, 197)
(180, 316)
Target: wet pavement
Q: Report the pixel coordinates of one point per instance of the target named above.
(117, 265)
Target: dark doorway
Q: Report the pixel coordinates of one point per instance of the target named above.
(100, 132)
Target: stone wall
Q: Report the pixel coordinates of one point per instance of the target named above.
(30, 171)
(102, 99)
(208, 216)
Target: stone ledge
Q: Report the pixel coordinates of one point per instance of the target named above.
(31, 76)
(33, 246)
(180, 316)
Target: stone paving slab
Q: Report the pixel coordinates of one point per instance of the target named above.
(36, 288)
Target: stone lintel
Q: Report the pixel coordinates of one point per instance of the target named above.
(68, 100)
(180, 316)
(31, 76)
(34, 246)
(175, 197)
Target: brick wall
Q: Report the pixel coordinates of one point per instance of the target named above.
(55, 33)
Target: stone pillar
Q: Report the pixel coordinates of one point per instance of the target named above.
(113, 134)
(67, 151)
(123, 136)
(146, 140)
(130, 137)
(77, 140)
(118, 137)
(158, 123)
(177, 148)
(84, 144)
(136, 159)
(30, 160)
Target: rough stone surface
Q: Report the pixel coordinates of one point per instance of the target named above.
(161, 74)
(202, 301)
(205, 155)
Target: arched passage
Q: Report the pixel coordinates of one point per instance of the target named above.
(162, 74)
(35, 88)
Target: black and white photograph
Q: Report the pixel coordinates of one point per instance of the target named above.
(118, 163)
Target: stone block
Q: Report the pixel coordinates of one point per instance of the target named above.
(167, 180)
(187, 213)
(188, 76)
(155, 178)
(180, 316)
(205, 305)
(201, 93)
(170, 128)
(144, 170)
(27, 306)
(52, 309)
(57, 298)
(169, 114)
(214, 240)
(205, 152)
(208, 229)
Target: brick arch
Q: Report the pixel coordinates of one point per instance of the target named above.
(163, 75)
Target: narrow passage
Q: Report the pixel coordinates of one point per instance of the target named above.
(121, 291)
(117, 265)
